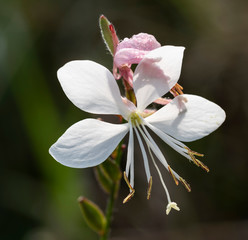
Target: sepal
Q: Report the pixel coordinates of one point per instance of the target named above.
(111, 169)
(108, 175)
(104, 181)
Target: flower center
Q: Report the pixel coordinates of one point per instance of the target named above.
(135, 119)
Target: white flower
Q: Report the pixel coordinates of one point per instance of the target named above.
(92, 88)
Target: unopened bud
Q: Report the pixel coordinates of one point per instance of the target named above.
(111, 169)
(93, 215)
(104, 181)
(108, 34)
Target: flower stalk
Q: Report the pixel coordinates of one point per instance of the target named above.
(112, 197)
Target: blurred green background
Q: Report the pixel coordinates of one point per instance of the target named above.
(39, 196)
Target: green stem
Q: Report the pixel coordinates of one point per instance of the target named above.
(112, 198)
(109, 213)
(115, 188)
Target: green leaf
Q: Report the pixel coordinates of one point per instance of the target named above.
(93, 215)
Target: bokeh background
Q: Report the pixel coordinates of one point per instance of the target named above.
(39, 196)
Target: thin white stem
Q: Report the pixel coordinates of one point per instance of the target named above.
(159, 154)
(168, 140)
(148, 143)
(130, 149)
(147, 169)
(132, 173)
(160, 175)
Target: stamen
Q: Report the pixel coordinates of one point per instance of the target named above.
(163, 161)
(196, 153)
(130, 149)
(149, 146)
(161, 157)
(159, 154)
(148, 175)
(177, 90)
(185, 184)
(172, 142)
(169, 140)
(197, 162)
(149, 189)
(172, 174)
(132, 191)
(160, 176)
(132, 173)
(203, 166)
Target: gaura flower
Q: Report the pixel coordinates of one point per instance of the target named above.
(92, 88)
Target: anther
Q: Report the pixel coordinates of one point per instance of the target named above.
(177, 90)
(149, 189)
(192, 155)
(185, 184)
(173, 175)
(130, 195)
(203, 166)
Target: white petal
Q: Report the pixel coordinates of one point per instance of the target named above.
(91, 87)
(188, 117)
(87, 143)
(156, 74)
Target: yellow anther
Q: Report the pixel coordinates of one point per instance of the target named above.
(192, 155)
(196, 153)
(203, 166)
(149, 189)
(185, 184)
(197, 162)
(177, 90)
(173, 175)
(130, 195)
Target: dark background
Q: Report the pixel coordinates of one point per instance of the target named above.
(38, 195)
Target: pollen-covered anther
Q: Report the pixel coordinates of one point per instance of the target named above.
(203, 166)
(192, 155)
(132, 191)
(173, 175)
(185, 184)
(177, 90)
(149, 189)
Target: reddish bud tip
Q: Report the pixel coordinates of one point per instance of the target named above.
(81, 199)
(111, 28)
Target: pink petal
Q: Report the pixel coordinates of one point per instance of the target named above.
(141, 41)
(133, 50)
